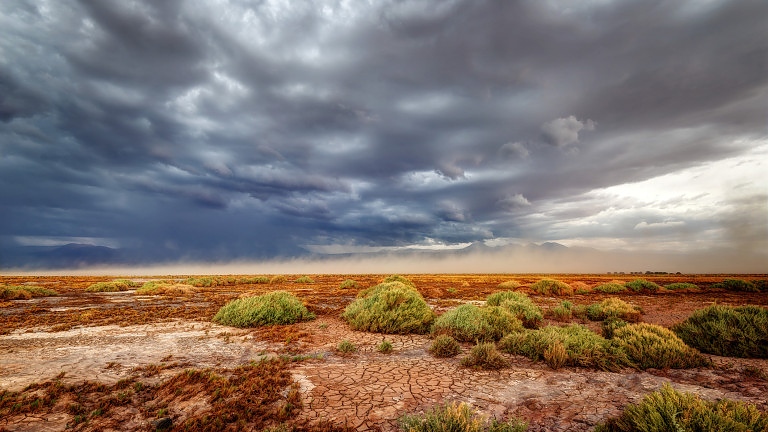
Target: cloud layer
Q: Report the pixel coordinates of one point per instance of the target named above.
(225, 129)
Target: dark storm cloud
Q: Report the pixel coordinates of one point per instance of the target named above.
(238, 128)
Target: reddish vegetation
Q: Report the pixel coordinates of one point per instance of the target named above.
(312, 387)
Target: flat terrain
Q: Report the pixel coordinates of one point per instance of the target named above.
(117, 361)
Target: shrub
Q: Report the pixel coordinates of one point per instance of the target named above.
(761, 285)
(652, 346)
(552, 287)
(444, 346)
(727, 331)
(613, 308)
(681, 286)
(610, 325)
(485, 356)
(610, 288)
(472, 323)
(397, 278)
(670, 410)
(346, 347)
(562, 312)
(164, 288)
(113, 286)
(555, 355)
(390, 307)
(385, 347)
(203, 282)
(737, 285)
(582, 346)
(509, 285)
(24, 292)
(278, 307)
(254, 280)
(349, 283)
(457, 417)
(277, 279)
(519, 305)
(638, 285)
(304, 279)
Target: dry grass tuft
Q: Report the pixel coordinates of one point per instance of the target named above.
(485, 356)
(552, 287)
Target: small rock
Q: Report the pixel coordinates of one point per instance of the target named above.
(162, 423)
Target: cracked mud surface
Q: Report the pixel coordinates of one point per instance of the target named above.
(366, 390)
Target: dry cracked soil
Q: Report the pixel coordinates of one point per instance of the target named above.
(110, 338)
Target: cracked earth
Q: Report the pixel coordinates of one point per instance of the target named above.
(365, 390)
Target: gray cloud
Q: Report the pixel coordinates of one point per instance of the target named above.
(249, 129)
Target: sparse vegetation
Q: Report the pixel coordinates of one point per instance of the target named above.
(509, 285)
(457, 417)
(349, 284)
(677, 286)
(469, 323)
(304, 280)
(638, 285)
(277, 279)
(346, 347)
(444, 346)
(519, 305)
(277, 307)
(653, 346)
(736, 285)
(112, 286)
(389, 307)
(613, 308)
(385, 347)
(670, 410)
(397, 278)
(552, 287)
(485, 356)
(582, 346)
(24, 292)
(562, 312)
(610, 288)
(727, 331)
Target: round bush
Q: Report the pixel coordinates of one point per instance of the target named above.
(653, 346)
(444, 346)
(638, 285)
(727, 331)
(552, 287)
(485, 356)
(390, 307)
(613, 308)
(277, 307)
(469, 323)
(519, 305)
(610, 287)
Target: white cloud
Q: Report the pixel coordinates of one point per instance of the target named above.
(512, 202)
(514, 150)
(563, 131)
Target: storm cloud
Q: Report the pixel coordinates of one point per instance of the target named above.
(235, 129)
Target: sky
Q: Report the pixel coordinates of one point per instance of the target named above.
(223, 130)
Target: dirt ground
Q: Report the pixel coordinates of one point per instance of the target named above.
(112, 358)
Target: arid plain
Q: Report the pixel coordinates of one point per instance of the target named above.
(128, 361)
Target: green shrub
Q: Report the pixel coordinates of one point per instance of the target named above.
(385, 347)
(669, 410)
(519, 305)
(652, 346)
(562, 312)
(349, 283)
(278, 307)
(203, 282)
(277, 279)
(613, 308)
(164, 288)
(610, 288)
(737, 285)
(610, 325)
(457, 417)
(254, 280)
(470, 323)
(397, 278)
(509, 285)
(582, 346)
(113, 286)
(444, 346)
(555, 355)
(24, 292)
(390, 307)
(681, 286)
(346, 347)
(485, 356)
(727, 331)
(638, 285)
(761, 285)
(552, 287)
(304, 279)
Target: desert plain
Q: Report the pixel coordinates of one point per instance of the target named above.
(122, 360)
